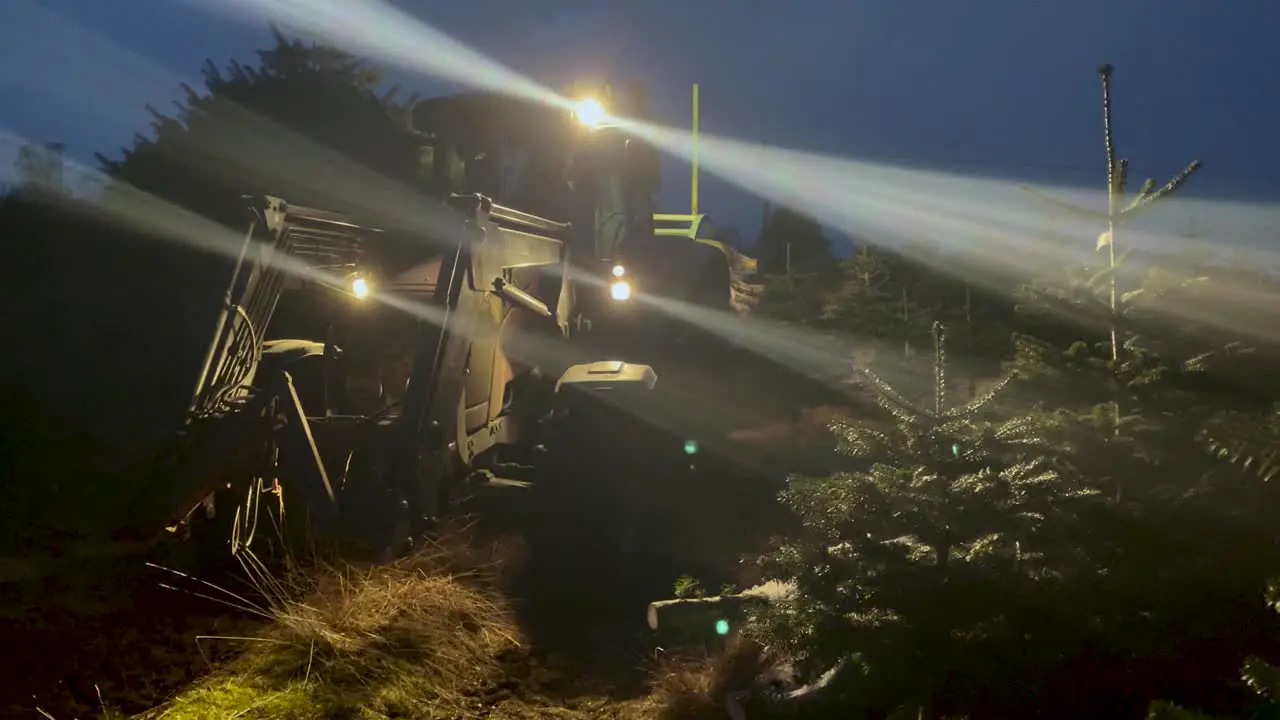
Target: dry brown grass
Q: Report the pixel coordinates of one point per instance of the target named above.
(697, 689)
(412, 639)
(420, 638)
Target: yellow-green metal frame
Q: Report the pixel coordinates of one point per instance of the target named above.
(688, 226)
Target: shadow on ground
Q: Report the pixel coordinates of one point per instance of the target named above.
(596, 539)
(115, 631)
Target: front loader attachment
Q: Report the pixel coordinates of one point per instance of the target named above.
(282, 243)
(245, 411)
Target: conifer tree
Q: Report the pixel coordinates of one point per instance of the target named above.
(1131, 412)
(790, 301)
(1136, 398)
(863, 301)
(909, 564)
(1122, 384)
(866, 305)
(1135, 427)
(280, 126)
(1249, 440)
(1260, 676)
(1117, 211)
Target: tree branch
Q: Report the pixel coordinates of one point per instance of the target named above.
(1146, 198)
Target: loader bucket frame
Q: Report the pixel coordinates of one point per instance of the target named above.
(724, 280)
(282, 242)
(701, 230)
(277, 231)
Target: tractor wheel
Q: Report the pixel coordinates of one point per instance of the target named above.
(376, 519)
(375, 523)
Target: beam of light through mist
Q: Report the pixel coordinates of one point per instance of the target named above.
(249, 148)
(383, 32)
(958, 213)
(994, 233)
(378, 30)
(239, 147)
(234, 145)
(985, 231)
(982, 230)
(128, 207)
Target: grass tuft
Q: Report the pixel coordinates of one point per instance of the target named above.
(700, 689)
(426, 638)
(413, 639)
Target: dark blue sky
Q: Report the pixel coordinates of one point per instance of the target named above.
(1004, 87)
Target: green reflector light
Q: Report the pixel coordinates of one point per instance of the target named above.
(722, 627)
(690, 447)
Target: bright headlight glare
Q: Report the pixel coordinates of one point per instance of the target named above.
(590, 112)
(360, 287)
(618, 271)
(620, 290)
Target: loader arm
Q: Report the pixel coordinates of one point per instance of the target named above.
(434, 447)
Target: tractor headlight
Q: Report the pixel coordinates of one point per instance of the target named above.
(360, 287)
(620, 290)
(592, 113)
(618, 271)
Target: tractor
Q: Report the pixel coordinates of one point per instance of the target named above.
(364, 372)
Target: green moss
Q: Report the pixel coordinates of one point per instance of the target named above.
(228, 694)
(223, 697)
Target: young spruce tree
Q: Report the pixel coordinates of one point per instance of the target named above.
(918, 567)
(1122, 386)
(1135, 398)
(866, 307)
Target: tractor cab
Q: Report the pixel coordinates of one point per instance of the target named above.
(574, 165)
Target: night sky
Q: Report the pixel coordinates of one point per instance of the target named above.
(992, 87)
